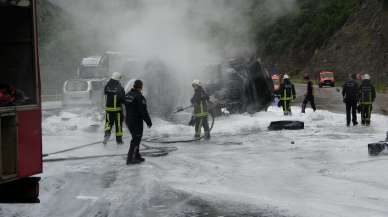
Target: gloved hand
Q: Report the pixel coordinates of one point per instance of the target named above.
(149, 125)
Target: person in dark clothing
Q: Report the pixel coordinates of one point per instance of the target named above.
(200, 103)
(136, 113)
(309, 96)
(350, 92)
(114, 98)
(367, 96)
(287, 94)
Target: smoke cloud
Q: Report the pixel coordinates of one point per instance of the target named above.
(187, 35)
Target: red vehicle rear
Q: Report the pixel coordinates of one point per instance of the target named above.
(20, 107)
(326, 78)
(276, 82)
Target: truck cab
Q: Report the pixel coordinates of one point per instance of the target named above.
(326, 78)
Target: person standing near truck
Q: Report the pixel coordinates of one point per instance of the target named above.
(309, 95)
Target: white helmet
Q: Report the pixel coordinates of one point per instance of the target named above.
(366, 76)
(286, 76)
(196, 82)
(116, 76)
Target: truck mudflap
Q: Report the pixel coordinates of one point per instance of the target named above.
(25, 190)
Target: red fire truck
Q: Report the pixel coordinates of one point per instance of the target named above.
(20, 106)
(326, 78)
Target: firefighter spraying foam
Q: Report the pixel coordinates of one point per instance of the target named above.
(200, 102)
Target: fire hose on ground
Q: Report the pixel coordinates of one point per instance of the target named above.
(146, 150)
(180, 109)
(149, 151)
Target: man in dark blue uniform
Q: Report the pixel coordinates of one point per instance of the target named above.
(287, 94)
(136, 113)
(114, 98)
(350, 93)
(367, 96)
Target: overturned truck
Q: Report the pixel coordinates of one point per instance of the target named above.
(241, 85)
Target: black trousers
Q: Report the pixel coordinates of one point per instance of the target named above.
(114, 118)
(136, 130)
(366, 112)
(306, 100)
(351, 112)
(199, 123)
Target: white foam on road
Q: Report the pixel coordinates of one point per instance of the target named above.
(323, 170)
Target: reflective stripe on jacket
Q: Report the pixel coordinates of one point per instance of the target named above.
(199, 100)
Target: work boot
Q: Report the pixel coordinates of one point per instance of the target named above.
(207, 135)
(139, 157)
(119, 140)
(106, 138)
(196, 136)
(355, 123)
(134, 161)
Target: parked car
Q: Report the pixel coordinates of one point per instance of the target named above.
(78, 92)
(326, 78)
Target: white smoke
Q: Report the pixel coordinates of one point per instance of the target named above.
(187, 35)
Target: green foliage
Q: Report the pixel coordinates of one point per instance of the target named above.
(315, 22)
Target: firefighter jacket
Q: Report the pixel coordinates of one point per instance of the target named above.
(367, 93)
(287, 90)
(114, 96)
(200, 101)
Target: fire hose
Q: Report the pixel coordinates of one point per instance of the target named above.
(180, 109)
(148, 151)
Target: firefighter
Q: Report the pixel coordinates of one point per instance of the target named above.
(350, 92)
(136, 113)
(309, 95)
(200, 102)
(114, 98)
(287, 94)
(367, 96)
